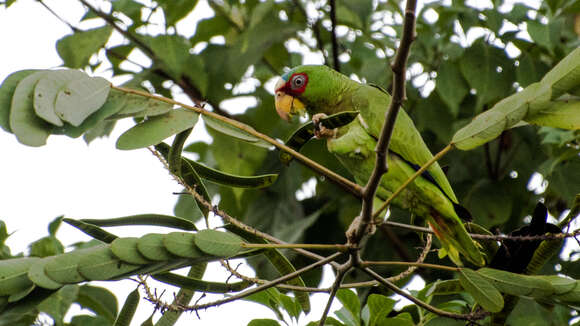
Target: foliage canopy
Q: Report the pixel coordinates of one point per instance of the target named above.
(500, 82)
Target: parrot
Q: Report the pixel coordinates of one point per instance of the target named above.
(318, 90)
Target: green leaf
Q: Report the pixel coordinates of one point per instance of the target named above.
(76, 49)
(563, 114)
(100, 300)
(216, 243)
(138, 106)
(13, 275)
(64, 268)
(172, 51)
(28, 128)
(38, 277)
(101, 264)
(232, 131)
(46, 90)
(379, 307)
(565, 76)
(47, 246)
(59, 303)
(92, 230)
(516, 284)
(349, 313)
(481, 290)
(113, 104)
(154, 130)
(80, 98)
(129, 308)
(182, 244)
(263, 322)
(145, 219)
(451, 86)
(151, 246)
(126, 250)
(6, 92)
(479, 66)
(200, 285)
(176, 10)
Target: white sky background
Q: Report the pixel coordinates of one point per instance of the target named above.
(67, 177)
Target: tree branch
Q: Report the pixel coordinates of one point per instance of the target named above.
(335, 60)
(341, 273)
(399, 74)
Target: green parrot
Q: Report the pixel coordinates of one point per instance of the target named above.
(320, 90)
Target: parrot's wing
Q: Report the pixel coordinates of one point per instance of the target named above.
(372, 102)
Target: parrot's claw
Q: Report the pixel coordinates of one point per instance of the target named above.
(320, 131)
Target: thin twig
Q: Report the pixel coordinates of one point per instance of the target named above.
(335, 60)
(346, 184)
(337, 247)
(73, 28)
(426, 306)
(414, 267)
(341, 273)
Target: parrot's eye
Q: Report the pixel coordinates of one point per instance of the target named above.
(298, 81)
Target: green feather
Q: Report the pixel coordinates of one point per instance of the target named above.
(330, 92)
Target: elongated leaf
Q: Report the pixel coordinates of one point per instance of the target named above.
(516, 284)
(565, 76)
(481, 289)
(563, 114)
(129, 308)
(560, 284)
(80, 98)
(28, 128)
(201, 285)
(46, 90)
(141, 107)
(145, 219)
(223, 244)
(6, 92)
(98, 299)
(303, 134)
(379, 308)
(219, 177)
(154, 130)
(92, 230)
(232, 131)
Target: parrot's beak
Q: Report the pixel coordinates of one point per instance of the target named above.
(287, 105)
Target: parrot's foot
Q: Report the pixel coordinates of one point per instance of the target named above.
(356, 232)
(320, 131)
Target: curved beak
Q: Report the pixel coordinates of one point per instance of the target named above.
(287, 105)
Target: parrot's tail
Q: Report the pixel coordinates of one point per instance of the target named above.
(455, 240)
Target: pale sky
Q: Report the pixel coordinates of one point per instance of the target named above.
(67, 177)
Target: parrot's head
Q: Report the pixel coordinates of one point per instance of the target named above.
(308, 88)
